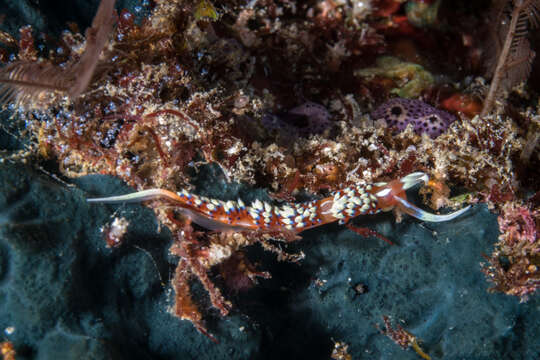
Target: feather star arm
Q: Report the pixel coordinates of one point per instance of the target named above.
(342, 206)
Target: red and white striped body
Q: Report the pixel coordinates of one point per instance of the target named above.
(341, 206)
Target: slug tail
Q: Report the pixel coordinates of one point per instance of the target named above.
(138, 197)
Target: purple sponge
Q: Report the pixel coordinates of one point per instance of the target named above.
(425, 118)
(303, 120)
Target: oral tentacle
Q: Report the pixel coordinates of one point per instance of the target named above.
(423, 215)
(413, 179)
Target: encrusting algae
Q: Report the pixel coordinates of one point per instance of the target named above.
(199, 82)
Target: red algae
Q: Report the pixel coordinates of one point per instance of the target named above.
(514, 266)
